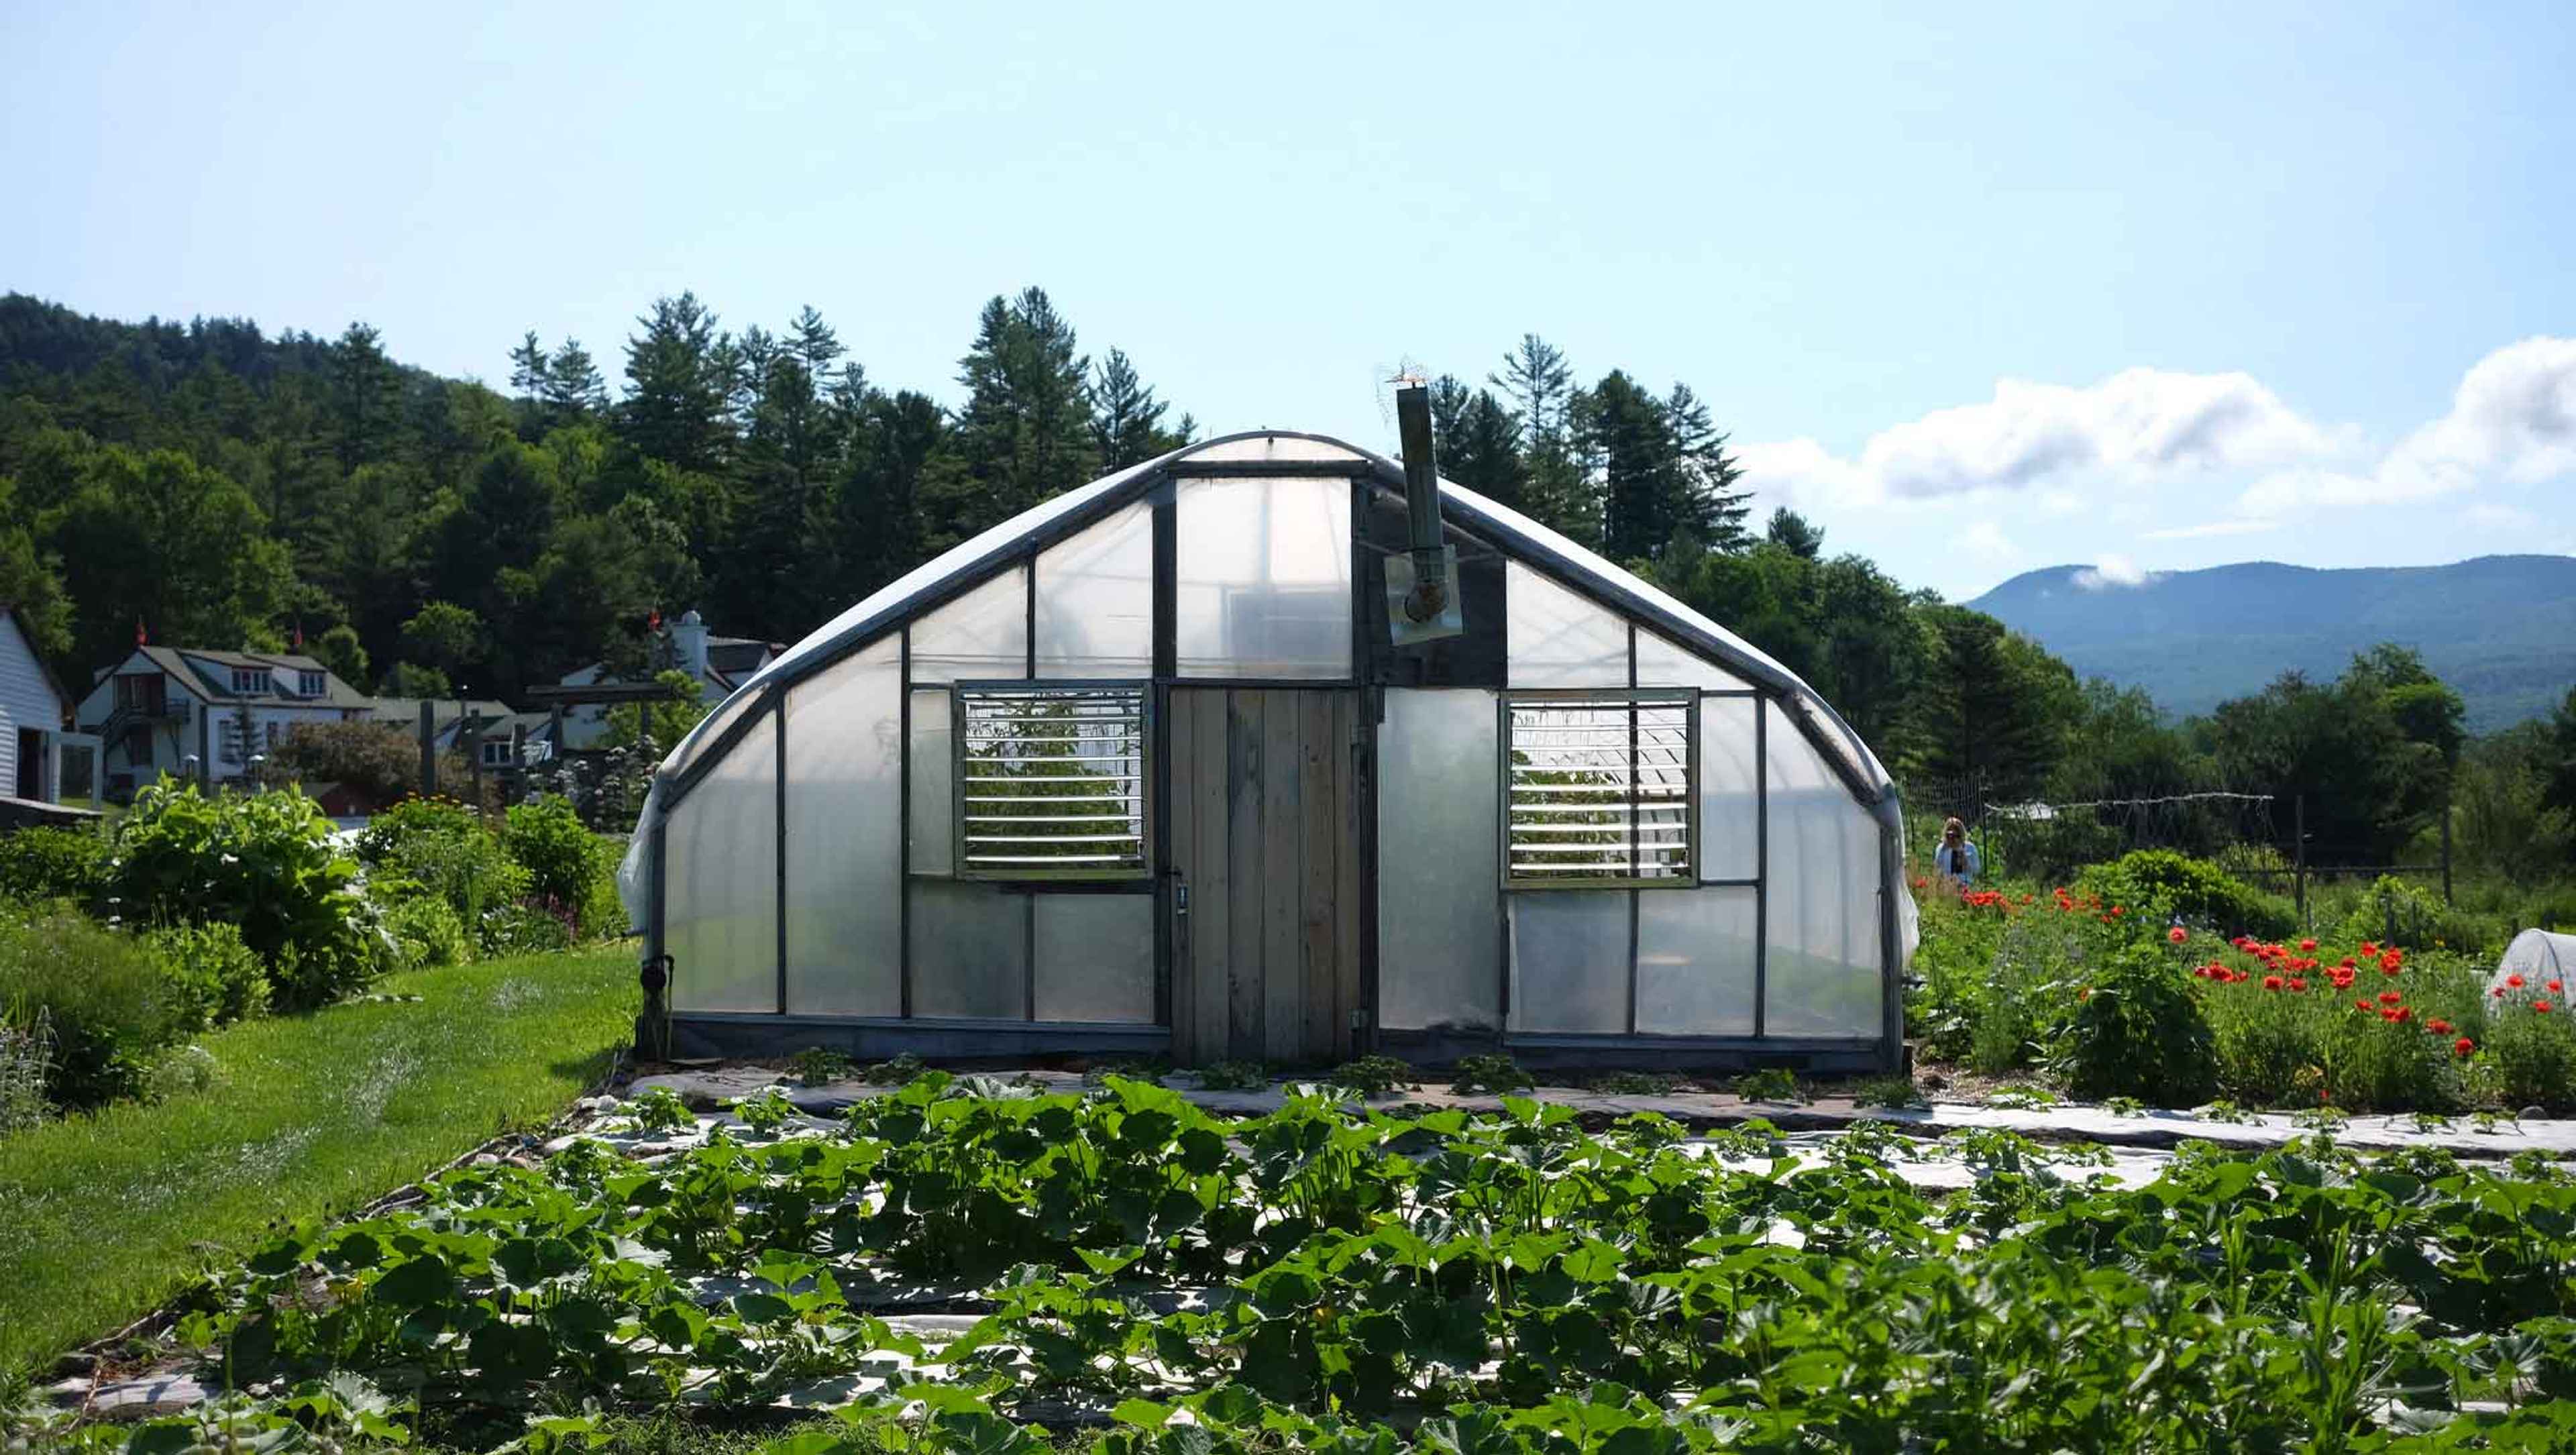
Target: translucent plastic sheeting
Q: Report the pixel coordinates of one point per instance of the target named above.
(1559, 639)
(1095, 957)
(1263, 578)
(1695, 962)
(1570, 960)
(1096, 599)
(1439, 930)
(934, 773)
(720, 882)
(844, 881)
(711, 729)
(2538, 956)
(1662, 664)
(1271, 447)
(1823, 977)
(1730, 824)
(970, 950)
(983, 634)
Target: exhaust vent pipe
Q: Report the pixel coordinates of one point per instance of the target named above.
(1421, 585)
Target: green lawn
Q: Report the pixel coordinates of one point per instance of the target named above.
(104, 1217)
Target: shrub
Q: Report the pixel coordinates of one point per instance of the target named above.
(262, 862)
(41, 863)
(2138, 1032)
(99, 993)
(565, 863)
(426, 932)
(524, 927)
(2160, 884)
(1496, 1074)
(439, 847)
(2394, 912)
(217, 977)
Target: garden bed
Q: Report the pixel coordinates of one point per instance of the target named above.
(990, 1267)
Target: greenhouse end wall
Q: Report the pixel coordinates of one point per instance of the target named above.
(1612, 835)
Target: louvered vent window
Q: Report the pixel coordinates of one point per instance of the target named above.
(1051, 783)
(1598, 789)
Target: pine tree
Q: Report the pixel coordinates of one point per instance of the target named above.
(1024, 433)
(1628, 439)
(530, 374)
(573, 388)
(1555, 489)
(1126, 418)
(1795, 533)
(1479, 442)
(366, 397)
(1704, 501)
(679, 374)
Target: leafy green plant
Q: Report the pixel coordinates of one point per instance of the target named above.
(51, 863)
(426, 932)
(1897, 1092)
(2125, 1106)
(1770, 1083)
(261, 862)
(565, 864)
(767, 1112)
(2023, 1098)
(903, 1070)
(217, 977)
(1149, 1072)
(1374, 1076)
(1234, 1076)
(2159, 884)
(2223, 1110)
(1638, 1083)
(2139, 1033)
(820, 1065)
(100, 996)
(441, 848)
(1494, 1074)
(659, 1109)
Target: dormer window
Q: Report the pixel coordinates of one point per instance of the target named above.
(308, 684)
(250, 679)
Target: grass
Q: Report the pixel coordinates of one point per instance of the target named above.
(107, 1216)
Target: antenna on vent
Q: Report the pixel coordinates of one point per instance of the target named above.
(1421, 585)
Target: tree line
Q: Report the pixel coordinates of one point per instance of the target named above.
(208, 484)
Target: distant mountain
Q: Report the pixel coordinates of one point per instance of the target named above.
(2501, 629)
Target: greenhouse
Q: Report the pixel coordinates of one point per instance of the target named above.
(1178, 764)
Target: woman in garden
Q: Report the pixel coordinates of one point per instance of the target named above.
(1956, 859)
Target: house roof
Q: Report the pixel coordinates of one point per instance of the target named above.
(208, 673)
(443, 713)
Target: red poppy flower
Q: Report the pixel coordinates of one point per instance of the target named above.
(2370, 947)
(2117, 911)
(2389, 997)
(2273, 982)
(2552, 985)
(2498, 992)
(2390, 960)
(2307, 944)
(2177, 934)
(2463, 1046)
(2541, 1006)
(2438, 1026)
(2514, 981)
(2361, 1005)
(2298, 984)
(2347, 962)
(2401, 1015)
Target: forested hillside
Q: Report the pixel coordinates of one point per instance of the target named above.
(2501, 629)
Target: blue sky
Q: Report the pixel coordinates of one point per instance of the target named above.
(1982, 288)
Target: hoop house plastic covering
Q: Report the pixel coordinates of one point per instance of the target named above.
(2538, 956)
(1775, 926)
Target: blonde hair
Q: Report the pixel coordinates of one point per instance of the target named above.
(1953, 826)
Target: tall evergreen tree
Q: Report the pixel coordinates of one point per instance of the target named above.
(573, 388)
(1795, 533)
(530, 371)
(1024, 433)
(1555, 489)
(366, 397)
(679, 376)
(1126, 418)
(1479, 441)
(1705, 500)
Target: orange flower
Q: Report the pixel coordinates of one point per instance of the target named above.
(2177, 934)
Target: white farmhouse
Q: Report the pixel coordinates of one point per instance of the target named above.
(34, 714)
(720, 664)
(168, 710)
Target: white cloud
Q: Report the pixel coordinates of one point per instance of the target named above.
(2491, 516)
(2140, 425)
(1986, 539)
(2513, 418)
(2111, 571)
(2240, 526)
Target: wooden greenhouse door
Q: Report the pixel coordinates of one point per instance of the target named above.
(1264, 832)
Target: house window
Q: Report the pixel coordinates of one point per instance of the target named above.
(1050, 783)
(496, 752)
(250, 679)
(309, 684)
(1599, 789)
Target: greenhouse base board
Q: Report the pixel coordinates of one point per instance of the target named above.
(758, 1036)
(1546, 1051)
